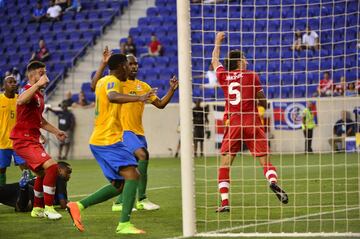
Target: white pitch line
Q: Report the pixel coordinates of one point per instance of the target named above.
(149, 189)
(283, 220)
(268, 223)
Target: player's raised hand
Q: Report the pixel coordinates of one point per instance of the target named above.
(220, 36)
(43, 81)
(174, 83)
(106, 55)
(61, 135)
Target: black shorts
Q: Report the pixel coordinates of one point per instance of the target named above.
(199, 133)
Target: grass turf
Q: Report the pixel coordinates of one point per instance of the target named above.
(309, 180)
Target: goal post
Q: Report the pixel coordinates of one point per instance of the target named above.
(324, 186)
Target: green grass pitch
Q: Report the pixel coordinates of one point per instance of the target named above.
(319, 185)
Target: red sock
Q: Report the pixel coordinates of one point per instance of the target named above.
(50, 184)
(270, 173)
(224, 185)
(38, 192)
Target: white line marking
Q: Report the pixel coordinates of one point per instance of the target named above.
(283, 220)
(149, 189)
(215, 233)
(281, 234)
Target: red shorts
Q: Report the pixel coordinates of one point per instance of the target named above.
(32, 152)
(248, 129)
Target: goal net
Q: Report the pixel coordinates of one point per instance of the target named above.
(292, 45)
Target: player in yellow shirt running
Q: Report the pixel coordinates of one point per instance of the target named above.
(7, 122)
(131, 118)
(118, 164)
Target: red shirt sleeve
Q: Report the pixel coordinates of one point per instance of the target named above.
(221, 74)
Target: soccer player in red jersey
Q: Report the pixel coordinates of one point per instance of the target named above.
(242, 91)
(26, 140)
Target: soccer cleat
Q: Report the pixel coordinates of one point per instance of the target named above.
(74, 211)
(37, 212)
(128, 228)
(223, 209)
(117, 207)
(281, 194)
(145, 204)
(51, 213)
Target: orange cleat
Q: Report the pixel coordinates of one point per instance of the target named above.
(74, 211)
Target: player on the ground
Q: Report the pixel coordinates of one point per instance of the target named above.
(20, 195)
(106, 143)
(26, 143)
(242, 90)
(131, 119)
(7, 122)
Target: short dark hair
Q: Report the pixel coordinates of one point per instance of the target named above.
(63, 164)
(34, 65)
(232, 59)
(116, 60)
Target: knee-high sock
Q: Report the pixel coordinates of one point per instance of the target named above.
(224, 185)
(101, 195)
(143, 166)
(129, 194)
(38, 192)
(49, 184)
(270, 173)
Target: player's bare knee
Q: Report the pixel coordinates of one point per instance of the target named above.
(118, 184)
(142, 154)
(129, 173)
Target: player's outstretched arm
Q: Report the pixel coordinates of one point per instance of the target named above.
(161, 103)
(28, 94)
(118, 98)
(98, 74)
(215, 60)
(60, 135)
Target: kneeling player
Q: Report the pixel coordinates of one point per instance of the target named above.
(21, 195)
(242, 90)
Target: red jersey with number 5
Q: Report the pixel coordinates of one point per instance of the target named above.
(240, 88)
(28, 118)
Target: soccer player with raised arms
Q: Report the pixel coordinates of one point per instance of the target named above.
(26, 140)
(131, 119)
(7, 122)
(242, 91)
(118, 164)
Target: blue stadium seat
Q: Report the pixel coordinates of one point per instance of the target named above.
(273, 92)
(274, 12)
(143, 22)
(286, 92)
(152, 12)
(299, 91)
(86, 87)
(300, 78)
(273, 79)
(247, 12)
(287, 79)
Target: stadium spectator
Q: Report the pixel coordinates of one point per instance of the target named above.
(64, 4)
(325, 87)
(308, 124)
(130, 47)
(39, 13)
(74, 6)
(42, 54)
(297, 45)
(66, 123)
(15, 72)
(68, 101)
(199, 121)
(82, 102)
(351, 90)
(358, 86)
(211, 76)
(343, 128)
(122, 48)
(155, 47)
(339, 89)
(310, 40)
(54, 12)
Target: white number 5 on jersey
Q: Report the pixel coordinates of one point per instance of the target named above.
(236, 92)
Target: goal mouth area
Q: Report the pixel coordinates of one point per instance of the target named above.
(279, 235)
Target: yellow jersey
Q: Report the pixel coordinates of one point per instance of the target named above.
(107, 129)
(7, 120)
(131, 113)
